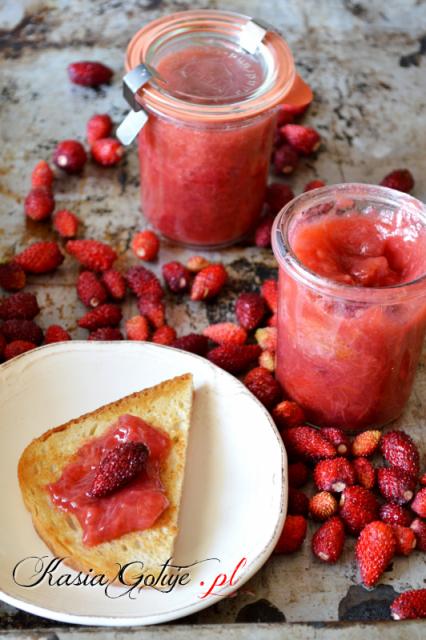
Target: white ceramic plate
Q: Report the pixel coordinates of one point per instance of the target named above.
(235, 490)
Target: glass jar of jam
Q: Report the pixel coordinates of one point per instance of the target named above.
(217, 78)
(352, 302)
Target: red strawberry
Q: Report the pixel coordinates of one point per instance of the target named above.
(17, 347)
(90, 289)
(42, 176)
(225, 333)
(266, 338)
(298, 474)
(365, 473)
(410, 605)
(70, 156)
(39, 204)
(144, 282)
(399, 179)
(277, 196)
(422, 480)
(40, 257)
(107, 152)
(419, 503)
(106, 315)
(269, 291)
(288, 414)
(338, 438)
(99, 126)
(358, 507)
(419, 528)
(115, 283)
(314, 184)
(193, 342)
(55, 333)
(292, 535)
(234, 358)
(117, 467)
(395, 514)
(285, 159)
(334, 474)
(209, 282)
(197, 263)
(12, 277)
(249, 309)
(322, 505)
(374, 551)
(328, 541)
(291, 109)
(399, 450)
(145, 245)
(308, 443)
(263, 385)
(262, 233)
(303, 140)
(164, 335)
(106, 333)
(298, 503)
(92, 254)
(177, 276)
(272, 321)
(21, 305)
(137, 328)
(65, 222)
(26, 330)
(366, 443)
(267, 360)
(89, 74)
(395, 485)
(153, 310)
(405, 540)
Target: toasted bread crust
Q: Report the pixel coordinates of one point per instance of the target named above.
(166, 406)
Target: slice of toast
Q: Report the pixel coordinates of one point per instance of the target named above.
(166, 406)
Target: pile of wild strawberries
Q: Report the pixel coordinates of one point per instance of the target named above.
(349, 486)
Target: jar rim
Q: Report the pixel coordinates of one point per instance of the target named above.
(288, 260)
(268, 95)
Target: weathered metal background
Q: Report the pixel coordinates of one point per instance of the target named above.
(366, 63)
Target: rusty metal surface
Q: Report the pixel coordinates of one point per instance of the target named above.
(366, 63)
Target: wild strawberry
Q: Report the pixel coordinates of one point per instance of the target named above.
(303, 140)
(308, 443)
(107, 152)
(266, 338)
(92, 254)
(145, 245)
(395, 484)
(272, 321)
(65, 222)
(164, 335)
(338, 438)
(405, 540)
(56, 333)
(399, 450)
(393, 513)
(298, 474)
(410, 605)
(209, 282)
(263, 385)
(99, 126)
(400, 179)
(419, 528)
(89, 74)
(117, 467)
(39, 204)
(106, 333)
(322, 505)
(106, 315)
(193, 342)
(298, 503)
(358, 507)
(291, 109)
(262, 233)
(267, 360)
(249, 309)
(90, 289)
(374, 551)
(313, 184)
(328, 541)
(225, 333)
(422, 479)
(197, 263)
(269, 291)
(40, 257)
(366, 443)
(419, 503)
(70, 156)
(334, 475)
(365, 473)
(21, 305)
(17, 347)
(177, 276)
(153, 310)
(292, 535)
(42, 176)
(144, 282)
(137, 328)
(12, 277)
(285, 159)
(277, 196)
(288, 414)
(115, 283)
(26, 330)
(234, 358)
